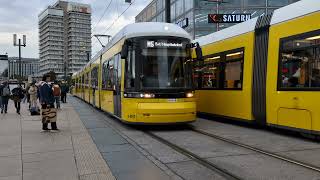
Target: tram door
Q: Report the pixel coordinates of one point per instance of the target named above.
(117, 86)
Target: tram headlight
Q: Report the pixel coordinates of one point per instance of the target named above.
(189, 95)
(148, 95)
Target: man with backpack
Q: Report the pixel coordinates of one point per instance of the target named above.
(56, 93)
(5, 95)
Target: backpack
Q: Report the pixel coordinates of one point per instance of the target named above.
(6, 91)
(56, 90)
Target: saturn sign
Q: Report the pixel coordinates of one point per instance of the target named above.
(228, 18)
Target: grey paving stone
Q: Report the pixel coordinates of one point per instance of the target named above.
(47, 156)
(60, 167)
(10, 166)
(190, 170)
(201, 145)
(11, 178)
(97, 177)
(91, 124)
(130, 164)
(103, 137)
(262, 167)
(263, 139)
(10, 145)
(117, 147)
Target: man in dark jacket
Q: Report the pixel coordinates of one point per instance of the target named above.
(64, 91)
(17, 94)
(5, 95)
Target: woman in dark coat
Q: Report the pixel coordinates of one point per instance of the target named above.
(49, 113)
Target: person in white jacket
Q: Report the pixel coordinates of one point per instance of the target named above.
(33, 91)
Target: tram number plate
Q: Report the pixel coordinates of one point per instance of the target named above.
(172, 100)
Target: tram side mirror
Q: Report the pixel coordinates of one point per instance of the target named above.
(199, 52)
(124, 51)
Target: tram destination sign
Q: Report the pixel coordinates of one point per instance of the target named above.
(228, 18)
(163, 44)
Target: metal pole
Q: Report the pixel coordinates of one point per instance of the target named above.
(167, 10)
(20, 74)
(217, 13)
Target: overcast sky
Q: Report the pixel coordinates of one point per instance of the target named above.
(21, 17)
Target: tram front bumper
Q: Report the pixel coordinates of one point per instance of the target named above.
(163, 113)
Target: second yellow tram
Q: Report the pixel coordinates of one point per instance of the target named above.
(265, 70)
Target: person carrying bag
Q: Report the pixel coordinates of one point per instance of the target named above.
(48, 112)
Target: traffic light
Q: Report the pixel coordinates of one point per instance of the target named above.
(128, 1)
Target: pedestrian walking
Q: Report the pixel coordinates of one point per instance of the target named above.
(64, 91)
(17, 95)
(5, 95)
(24, 92)
(1, 88)
(33, 92)
(56, 93)
(48, 112)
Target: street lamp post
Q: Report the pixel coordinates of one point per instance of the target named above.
(19, 45)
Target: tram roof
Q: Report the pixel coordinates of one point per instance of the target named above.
(232, 31)
(283, 14)
(145, 29)
(295, 10)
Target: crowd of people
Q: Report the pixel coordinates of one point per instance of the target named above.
(43, 97)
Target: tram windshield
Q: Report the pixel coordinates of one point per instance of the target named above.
(163, 68)
(161, 64)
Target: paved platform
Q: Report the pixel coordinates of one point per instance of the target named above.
(29, 154)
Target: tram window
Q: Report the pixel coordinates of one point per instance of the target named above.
(111, 73)
(87, 79)
(94, 77)
(300, 62)
(220, 71)
(104, 74)
(210, 72)
(233, 70)
(130, 70)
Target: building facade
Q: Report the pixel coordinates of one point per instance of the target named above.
(65, 37)
(29, 67)
(193, 14)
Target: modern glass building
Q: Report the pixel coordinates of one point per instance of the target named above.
(196, 12)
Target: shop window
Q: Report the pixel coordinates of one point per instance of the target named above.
(220, 71)
(278, 2)
(299, 66)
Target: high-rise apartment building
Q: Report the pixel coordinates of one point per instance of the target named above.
(65, 37)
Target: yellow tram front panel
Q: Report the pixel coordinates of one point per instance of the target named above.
(227, 102)
(158, 111)
(294, 108)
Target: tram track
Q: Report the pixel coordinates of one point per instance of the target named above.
(223, 172)
(261, 151)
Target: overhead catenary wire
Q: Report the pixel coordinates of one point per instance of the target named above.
(104, 12)
(113, 23)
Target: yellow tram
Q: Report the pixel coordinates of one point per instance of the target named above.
(142, 76)
(265, 70)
